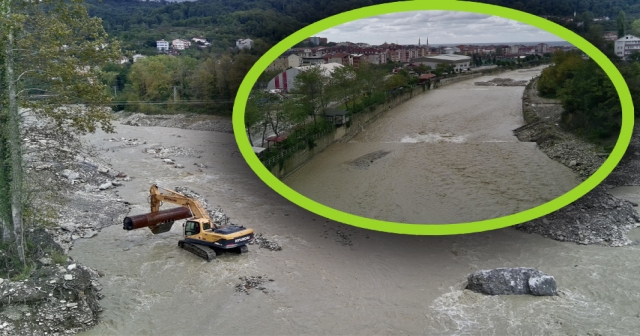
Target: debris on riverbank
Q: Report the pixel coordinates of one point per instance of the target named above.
(627, 172)
(250, 282)
(55, 295)
(195, 122)
(597, 217)
(60, 297)
(263, 242)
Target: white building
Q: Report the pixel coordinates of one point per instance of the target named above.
(626, 45)
(460, 62)
(199, 40)
(285, 62)
(285, 81)
(180, 44)
(162, 45)
(380, 58)
(137, 57)
(244, 44)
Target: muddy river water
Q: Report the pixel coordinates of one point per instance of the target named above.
(446, 156)
(331, 278)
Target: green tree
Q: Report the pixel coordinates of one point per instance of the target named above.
(343, 85)
(621, 23)
(635, 27)
(49, 46)
(311, 85)
(396, 81)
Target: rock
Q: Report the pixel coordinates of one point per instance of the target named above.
(116, 183)
(44, 166)
(121, 175)
(113, 173)
(105, 186)
(68, 277)
(89, 234)
(68, 227)
(71, 267)
(544, 285)
(573, 163)
(89, 188)
(510, 281)
(179, 166)
(103, 170)
(45, 261)
(70, 174)
(168, 161)
(75, 237)
(1, 281)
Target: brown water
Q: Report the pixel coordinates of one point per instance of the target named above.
(450, 157)
(380, 284)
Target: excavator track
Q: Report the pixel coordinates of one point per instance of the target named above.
(201, 251)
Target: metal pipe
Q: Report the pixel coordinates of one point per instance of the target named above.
(153, 219)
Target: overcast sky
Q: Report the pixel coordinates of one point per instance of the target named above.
(441, 27)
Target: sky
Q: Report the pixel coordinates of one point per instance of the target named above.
(441, 27)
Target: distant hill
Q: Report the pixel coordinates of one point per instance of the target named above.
(598, 8)
(221, 21)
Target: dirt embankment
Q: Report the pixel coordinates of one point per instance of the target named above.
(61, 296)
(598, 217)
(195, 122)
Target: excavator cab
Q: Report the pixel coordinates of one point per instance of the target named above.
(191, 228)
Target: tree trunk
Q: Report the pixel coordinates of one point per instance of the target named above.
(15, 152)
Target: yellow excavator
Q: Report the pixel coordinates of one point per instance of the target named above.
(202, 236)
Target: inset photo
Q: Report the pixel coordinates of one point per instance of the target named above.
(432, 117)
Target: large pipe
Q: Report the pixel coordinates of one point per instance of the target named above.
(158, 222)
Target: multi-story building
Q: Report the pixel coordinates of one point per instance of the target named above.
(162, 46)
(460, 62)
(285, 62)
(180, 44)
(542, 48)
(244, 44)
(627, 45)
(285, 81)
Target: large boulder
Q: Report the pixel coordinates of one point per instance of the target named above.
(512, 281)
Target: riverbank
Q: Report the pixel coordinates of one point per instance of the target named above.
(598, 217)
(59, 295)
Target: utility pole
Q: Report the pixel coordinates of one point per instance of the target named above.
(175, 94)
(115, 91)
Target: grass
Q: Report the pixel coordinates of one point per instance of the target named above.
(59, 257)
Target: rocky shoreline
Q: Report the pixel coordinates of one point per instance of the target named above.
(195, 122)
(61, 296)
(597, 217)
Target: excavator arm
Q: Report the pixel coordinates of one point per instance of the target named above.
(160, 221)
(157, 197)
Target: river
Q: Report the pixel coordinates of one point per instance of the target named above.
(446, 156)
(332, 278)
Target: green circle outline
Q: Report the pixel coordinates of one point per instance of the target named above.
(433, 229)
